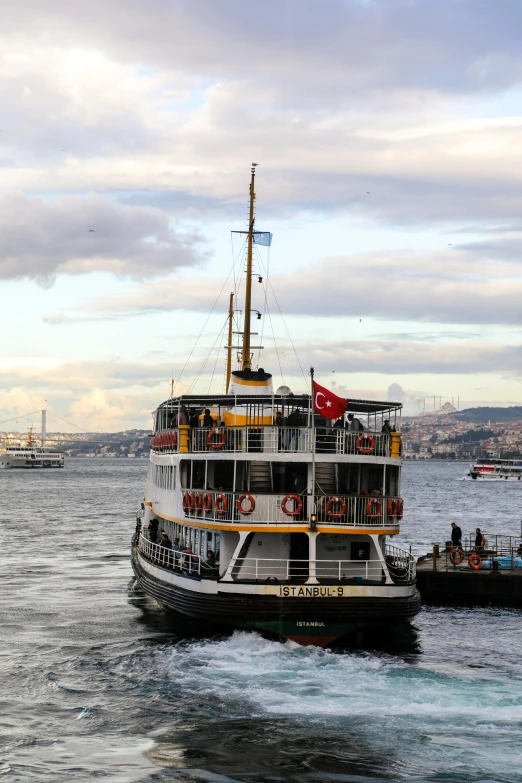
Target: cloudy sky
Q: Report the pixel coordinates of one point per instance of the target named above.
(388, 135)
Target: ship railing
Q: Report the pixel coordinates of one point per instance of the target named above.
(274, 439)
(268, 570)
(402, 566)
(258, 509)
(185, 563)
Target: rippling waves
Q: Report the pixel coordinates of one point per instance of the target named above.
(97, 682)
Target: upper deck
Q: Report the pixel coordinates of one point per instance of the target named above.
(276, 424)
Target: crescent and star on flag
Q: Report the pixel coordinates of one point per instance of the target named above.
(327, 403)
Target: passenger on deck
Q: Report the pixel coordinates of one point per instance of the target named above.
(193, 418)
(210, 564)
(165, 540)
(208, 421)
(153, 530)
(182, 417)
(354, 424)
(340, 423)
(386, 428)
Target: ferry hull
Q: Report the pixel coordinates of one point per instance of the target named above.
(306, 620)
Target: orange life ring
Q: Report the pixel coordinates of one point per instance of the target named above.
(456, 556)
(475, 561)
(216, 444)
(367, 449)
(221, 504)
(250, 499)
(173, 439)
(336, 514)
(207, 502)
(298, 505)
(370, 513)
(400, 508)
(187, 501)
(392, 508)
(197, 501)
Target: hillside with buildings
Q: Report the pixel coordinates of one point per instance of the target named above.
(476, 432)
(129, 443)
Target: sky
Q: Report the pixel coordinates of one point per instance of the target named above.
(388, 137)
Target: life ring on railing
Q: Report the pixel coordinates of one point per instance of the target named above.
(456, 556)
(392, 508)
(250, 499)
(400, 508)
(475, 561)
(207, 502)
(187, 501)
(335, 514)
(370, 512)
(221, 504)
(216, 444)
(366, 449)
(298, 505)
(197, 501)
(173, 439)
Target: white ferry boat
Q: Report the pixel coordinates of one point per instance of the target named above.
(262, 514)
(31, 455)
(497, 470)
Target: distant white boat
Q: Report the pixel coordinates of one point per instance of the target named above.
(497, 470)
(31, 455)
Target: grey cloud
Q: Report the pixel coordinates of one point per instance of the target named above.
(444, 288)
(79, 234)
(309, 52)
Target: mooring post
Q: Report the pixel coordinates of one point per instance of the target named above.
(435, 556)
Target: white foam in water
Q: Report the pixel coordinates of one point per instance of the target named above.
(469, 712)
(286, 678)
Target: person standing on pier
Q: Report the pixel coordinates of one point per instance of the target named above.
(456, 535)
(480, 541)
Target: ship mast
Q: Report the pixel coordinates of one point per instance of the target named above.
(246, 363)
(229, 347)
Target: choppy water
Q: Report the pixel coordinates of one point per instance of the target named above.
(97, 683)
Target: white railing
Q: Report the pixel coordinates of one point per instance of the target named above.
(264, 569)
(402, 566)
(241, 507)
(274, 439)
(184, 562)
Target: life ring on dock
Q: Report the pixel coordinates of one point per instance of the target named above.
(335, 514)
(365, 449)
(197, 501)
(216, 444)
(298, 505)
(456, 556)
(475, 561)
(250, 499)
(221, 504)
(400, 508)
(373, 508)
(207, 502)
(187, 501)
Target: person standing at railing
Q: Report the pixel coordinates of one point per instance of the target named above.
(456, 535)
(153, 530)
(193, 418)
(386, 427)
(208, 421)
(480, 541)
(354, 424)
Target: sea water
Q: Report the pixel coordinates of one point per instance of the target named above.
(97, 682)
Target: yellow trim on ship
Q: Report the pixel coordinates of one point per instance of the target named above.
(268, 528)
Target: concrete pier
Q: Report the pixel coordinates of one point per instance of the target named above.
(461, 586)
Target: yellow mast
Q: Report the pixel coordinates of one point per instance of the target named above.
(229, 352)
(248, 295)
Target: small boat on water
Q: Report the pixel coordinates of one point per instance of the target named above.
(30, 454)
(271, 518)
(497, 470)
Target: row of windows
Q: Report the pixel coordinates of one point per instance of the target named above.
(163, 476)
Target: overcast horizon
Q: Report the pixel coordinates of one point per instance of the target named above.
(388, 140)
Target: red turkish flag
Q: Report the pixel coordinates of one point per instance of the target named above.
(327, 403)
